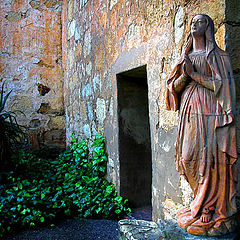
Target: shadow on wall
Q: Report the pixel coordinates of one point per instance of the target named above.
(232, 42)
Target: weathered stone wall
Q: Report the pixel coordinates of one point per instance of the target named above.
(31, 65)
(104, 38)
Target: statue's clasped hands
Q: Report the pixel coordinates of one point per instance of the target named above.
(187, 68)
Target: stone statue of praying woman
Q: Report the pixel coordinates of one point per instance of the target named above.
(202, 88)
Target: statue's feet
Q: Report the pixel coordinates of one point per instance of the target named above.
(206, 217)
(206, 224)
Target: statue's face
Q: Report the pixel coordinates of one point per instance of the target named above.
(198, 25)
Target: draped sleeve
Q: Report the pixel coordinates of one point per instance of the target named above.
(172, 96)
(224, 89)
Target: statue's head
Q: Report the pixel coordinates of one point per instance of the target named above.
(198, 26)
(202, 25)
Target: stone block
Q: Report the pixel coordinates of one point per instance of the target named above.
(14, 16)
(71, 29)
(87, 131)
(164, 230)
(57, 122)
(44, 108)
(35, 4)
(179, 25)
(22, 103)
(101, 110)
(54, 138)
(138, 230)
(86, 90)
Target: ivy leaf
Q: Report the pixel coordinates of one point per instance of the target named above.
(42, 195)
(98, 209)
(109, 190)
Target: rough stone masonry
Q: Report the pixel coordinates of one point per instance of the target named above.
(31, 65)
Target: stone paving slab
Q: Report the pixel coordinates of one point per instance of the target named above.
(163, 230)
(138, 230)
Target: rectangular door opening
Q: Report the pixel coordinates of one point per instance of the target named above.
(134, 137)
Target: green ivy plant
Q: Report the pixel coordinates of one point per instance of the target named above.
(72, 185)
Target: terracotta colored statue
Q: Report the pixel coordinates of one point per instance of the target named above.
(201, 86)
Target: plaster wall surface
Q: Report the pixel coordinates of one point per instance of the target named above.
(104, 38)
(31, 66)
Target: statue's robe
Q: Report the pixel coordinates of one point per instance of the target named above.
(206, 150)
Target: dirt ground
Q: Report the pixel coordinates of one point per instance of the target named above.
(81, 229)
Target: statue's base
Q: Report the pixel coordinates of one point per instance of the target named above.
(138, 229)
(164, 230)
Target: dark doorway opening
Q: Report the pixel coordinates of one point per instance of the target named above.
(134, 137)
